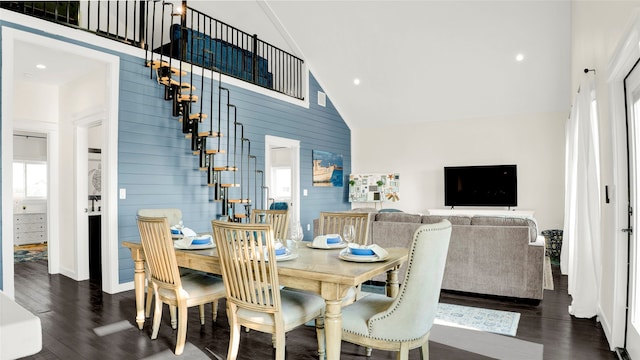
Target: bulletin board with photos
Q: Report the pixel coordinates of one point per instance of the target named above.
(374, 187)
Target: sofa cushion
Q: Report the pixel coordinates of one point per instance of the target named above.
(364, 209)
(508, 221)
(398, 217)
(454, 220)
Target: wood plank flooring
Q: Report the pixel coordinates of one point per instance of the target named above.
(70, 311)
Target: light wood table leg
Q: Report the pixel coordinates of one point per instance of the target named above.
(392, 282)
(333, 328)
(138, 285)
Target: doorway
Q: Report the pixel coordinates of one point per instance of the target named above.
(632, 90)
(60, 124)
(30, 188)
(282, 174)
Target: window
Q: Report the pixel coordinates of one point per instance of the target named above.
(29, 180)
(281, 180)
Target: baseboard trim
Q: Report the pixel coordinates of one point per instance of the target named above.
(622, 354)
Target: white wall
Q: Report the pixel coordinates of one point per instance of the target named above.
(597, 28)
(535, 143)
(35, 102)
(82, 96)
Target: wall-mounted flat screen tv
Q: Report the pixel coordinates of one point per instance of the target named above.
(488, 185)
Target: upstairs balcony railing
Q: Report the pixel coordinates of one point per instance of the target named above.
(187, 35)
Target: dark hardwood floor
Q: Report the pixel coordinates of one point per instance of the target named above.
(70, 311)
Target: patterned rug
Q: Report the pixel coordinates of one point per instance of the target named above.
(30, 252)
(473, 318)
(467, 317)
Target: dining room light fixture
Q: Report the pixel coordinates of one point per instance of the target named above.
(356, 81)
(41, 66)
(519, 57)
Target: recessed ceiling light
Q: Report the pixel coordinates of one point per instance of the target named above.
(41, 66)
(519, 57)
(356, 81)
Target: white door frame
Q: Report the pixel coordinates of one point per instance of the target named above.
(81, 147)
(110, 242)
(275, 141)
(632, 89)
(622, 61)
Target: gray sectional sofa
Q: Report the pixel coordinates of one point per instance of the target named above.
(491, 255)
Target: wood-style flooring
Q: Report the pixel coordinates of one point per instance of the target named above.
(70, 311)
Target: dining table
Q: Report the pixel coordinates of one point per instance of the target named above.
(321, 271)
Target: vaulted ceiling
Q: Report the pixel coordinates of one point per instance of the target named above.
(421, 61)
(417, 61)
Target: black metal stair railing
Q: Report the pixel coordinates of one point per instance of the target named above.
(222, 162)
(135, 22)
(229, 161)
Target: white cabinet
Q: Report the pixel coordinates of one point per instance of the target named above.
(30, 228)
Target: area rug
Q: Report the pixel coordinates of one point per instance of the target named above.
(30, 252)
(474, 318)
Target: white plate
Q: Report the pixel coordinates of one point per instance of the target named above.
(348, 256)
(339, 245)
(194, 247)
(285, 257)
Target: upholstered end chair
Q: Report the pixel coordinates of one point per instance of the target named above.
(403, 323)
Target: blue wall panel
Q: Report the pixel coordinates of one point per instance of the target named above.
(158, 169)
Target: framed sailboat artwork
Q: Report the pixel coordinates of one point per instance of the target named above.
(327, 168)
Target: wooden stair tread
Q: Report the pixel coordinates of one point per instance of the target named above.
(187, 97)
(226, 185)
(228, 168)
(169, 81)
(240, 216)
(200, 116)
(214, 168)
(202, 134)
(215, 151)
(196, 116)
(240, 201)
(157, 64)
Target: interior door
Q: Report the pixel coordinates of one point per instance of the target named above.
(632, 89)
(282, 154)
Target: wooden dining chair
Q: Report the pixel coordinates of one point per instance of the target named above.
(174, 216)
(254, 297)
(404, 322)
(334, 222)
(169, 286)
(278, 218)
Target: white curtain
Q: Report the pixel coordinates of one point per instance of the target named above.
(581, 241)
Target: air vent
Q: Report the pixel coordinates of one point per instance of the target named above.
(322, 98)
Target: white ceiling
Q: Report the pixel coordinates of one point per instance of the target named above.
(421, 61)
(418, 61)
(61, 66)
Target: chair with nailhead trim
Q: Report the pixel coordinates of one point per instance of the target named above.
(404, 323)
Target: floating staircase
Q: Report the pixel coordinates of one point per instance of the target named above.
(232, 158)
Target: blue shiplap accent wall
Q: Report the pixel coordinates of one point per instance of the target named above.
(158, 170)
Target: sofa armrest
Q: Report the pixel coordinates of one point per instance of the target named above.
(540, 240)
